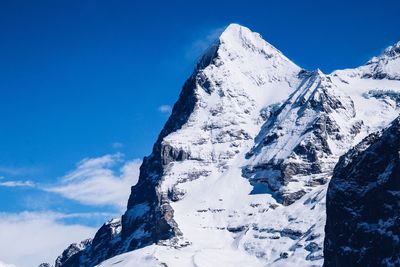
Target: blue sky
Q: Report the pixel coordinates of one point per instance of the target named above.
(86, 86)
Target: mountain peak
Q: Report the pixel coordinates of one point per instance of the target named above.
(234, 29)
(237, 34)
(393, 50)
(384, 66)
(237, 41)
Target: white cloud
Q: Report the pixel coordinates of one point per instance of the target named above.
(94, 182)
(165, 109)
(30, 238)
(17, 183)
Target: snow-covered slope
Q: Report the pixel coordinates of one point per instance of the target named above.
(2, 264)
(238, 175)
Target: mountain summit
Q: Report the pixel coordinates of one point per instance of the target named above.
(238, 174)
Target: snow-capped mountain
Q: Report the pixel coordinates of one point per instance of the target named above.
(238, 175)
(363, 203)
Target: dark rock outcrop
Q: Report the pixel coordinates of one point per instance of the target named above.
(363, 204)
(92, 251)
(71, 255)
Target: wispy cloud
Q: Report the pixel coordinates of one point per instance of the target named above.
(117, 145)
(100, 181)
(42, 236)
(17, 184)
(198, 46)
(18, 170)
(166, 109)
(30, 238)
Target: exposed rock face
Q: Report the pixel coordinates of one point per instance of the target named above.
(363, 204)
(71, 256)
(93, 251)
(238, 175)
(303, 138)
(149, 217)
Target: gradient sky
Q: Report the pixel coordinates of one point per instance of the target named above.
(94, 79)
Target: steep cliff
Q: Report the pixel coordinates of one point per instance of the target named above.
(363, 204)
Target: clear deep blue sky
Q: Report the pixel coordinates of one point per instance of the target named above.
(78, 76)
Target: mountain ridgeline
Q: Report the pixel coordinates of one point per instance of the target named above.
(239, 174)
